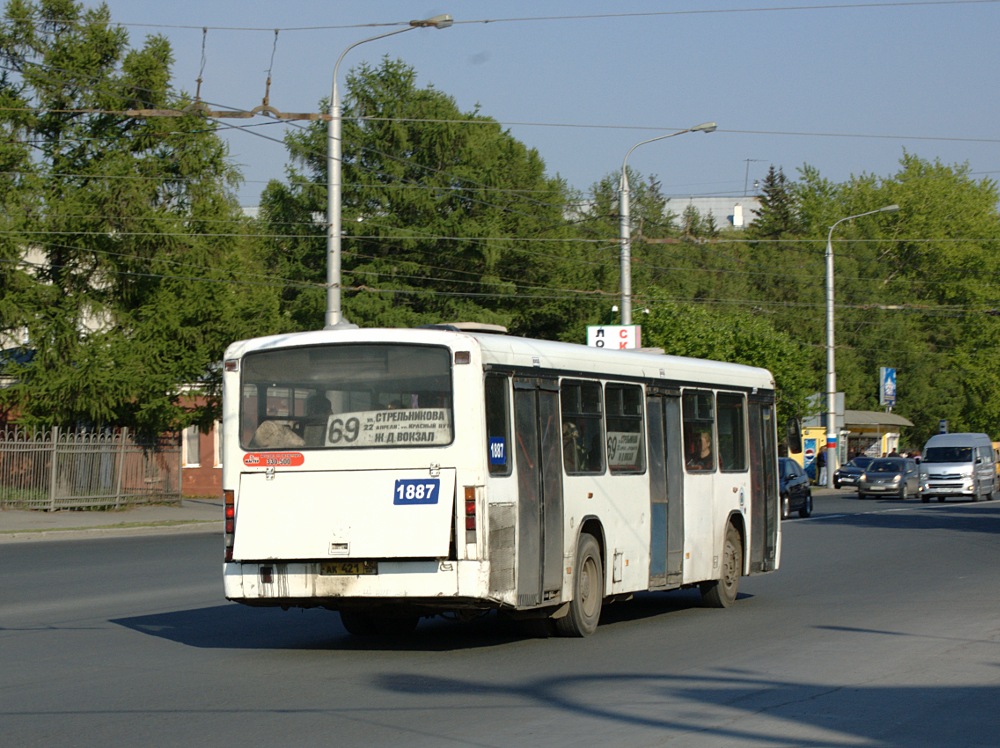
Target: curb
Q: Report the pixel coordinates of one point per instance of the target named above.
(167, 527)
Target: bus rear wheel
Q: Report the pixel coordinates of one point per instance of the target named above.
(721, 593)
(588, 591)
(357, 622)
(382, 621)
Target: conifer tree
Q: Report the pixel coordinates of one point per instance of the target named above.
(129, 279)
(777, 216)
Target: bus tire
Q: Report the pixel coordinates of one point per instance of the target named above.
(357, 622)
(588, 591)
(379, 621)
(396, 623)
(722, 592)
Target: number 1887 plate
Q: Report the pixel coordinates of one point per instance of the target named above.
(416, 491)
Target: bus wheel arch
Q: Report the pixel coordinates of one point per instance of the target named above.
(722, 592)
(584, 609)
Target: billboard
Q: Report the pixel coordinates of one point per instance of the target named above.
(887, 387)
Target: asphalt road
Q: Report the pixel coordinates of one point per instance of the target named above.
(881, 629)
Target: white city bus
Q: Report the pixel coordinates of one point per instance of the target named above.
(391, 474)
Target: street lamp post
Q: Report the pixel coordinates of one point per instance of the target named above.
(831, 373)
(334, 316)
(625, 229)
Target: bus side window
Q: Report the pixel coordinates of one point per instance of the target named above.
(626, 449)
(498, 424)
(699, 422)
(582, 427)
(732, 432)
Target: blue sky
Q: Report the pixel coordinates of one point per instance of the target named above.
(844, 87)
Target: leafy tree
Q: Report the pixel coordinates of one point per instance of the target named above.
(915, 290)
(735, 336)
(921, 292)
(784, 271)
(652, 224)
(134, 282)
(450, 217)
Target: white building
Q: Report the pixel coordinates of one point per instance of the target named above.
(734, 212)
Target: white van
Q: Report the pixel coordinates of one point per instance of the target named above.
(962, 465)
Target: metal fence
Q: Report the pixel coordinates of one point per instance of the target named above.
(61, 470)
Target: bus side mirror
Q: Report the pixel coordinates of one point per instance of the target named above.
(793, 435)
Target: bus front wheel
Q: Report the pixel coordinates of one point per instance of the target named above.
(721, 593)
(588, 591)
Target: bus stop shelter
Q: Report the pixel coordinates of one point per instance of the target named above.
(872, 432)
(868, 432)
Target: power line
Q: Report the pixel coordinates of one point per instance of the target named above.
(576, 17)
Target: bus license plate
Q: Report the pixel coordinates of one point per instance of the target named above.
(348, 568)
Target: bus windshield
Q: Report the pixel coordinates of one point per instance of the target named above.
(346, 396)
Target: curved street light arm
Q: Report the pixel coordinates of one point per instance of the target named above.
(624, 227)
(334, 315)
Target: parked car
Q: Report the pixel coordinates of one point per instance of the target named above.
(890, 476)
(848, 475)
(796, 494)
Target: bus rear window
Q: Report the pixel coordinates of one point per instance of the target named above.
(346, 396)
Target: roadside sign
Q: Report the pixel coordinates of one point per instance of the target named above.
(616, 337)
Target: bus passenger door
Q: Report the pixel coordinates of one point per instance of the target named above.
(763, 483)
(666, 488)
(538, 445)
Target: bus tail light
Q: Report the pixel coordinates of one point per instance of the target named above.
(470, 514)
(229, 509)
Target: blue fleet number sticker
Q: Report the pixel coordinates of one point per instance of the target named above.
(498, 450)
(416, 491)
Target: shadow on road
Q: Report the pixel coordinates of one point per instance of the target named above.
(232, 626)
(678, 705)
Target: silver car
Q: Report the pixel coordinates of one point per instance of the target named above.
(898, 477)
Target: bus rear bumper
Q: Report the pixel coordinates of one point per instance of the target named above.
(327, 584)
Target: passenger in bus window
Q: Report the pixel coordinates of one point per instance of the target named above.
(573, 452)
(313, 426)
(700, 451)
(317, 405)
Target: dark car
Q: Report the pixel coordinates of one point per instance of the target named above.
(796, 495)
(898, 477)
(849, 474)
